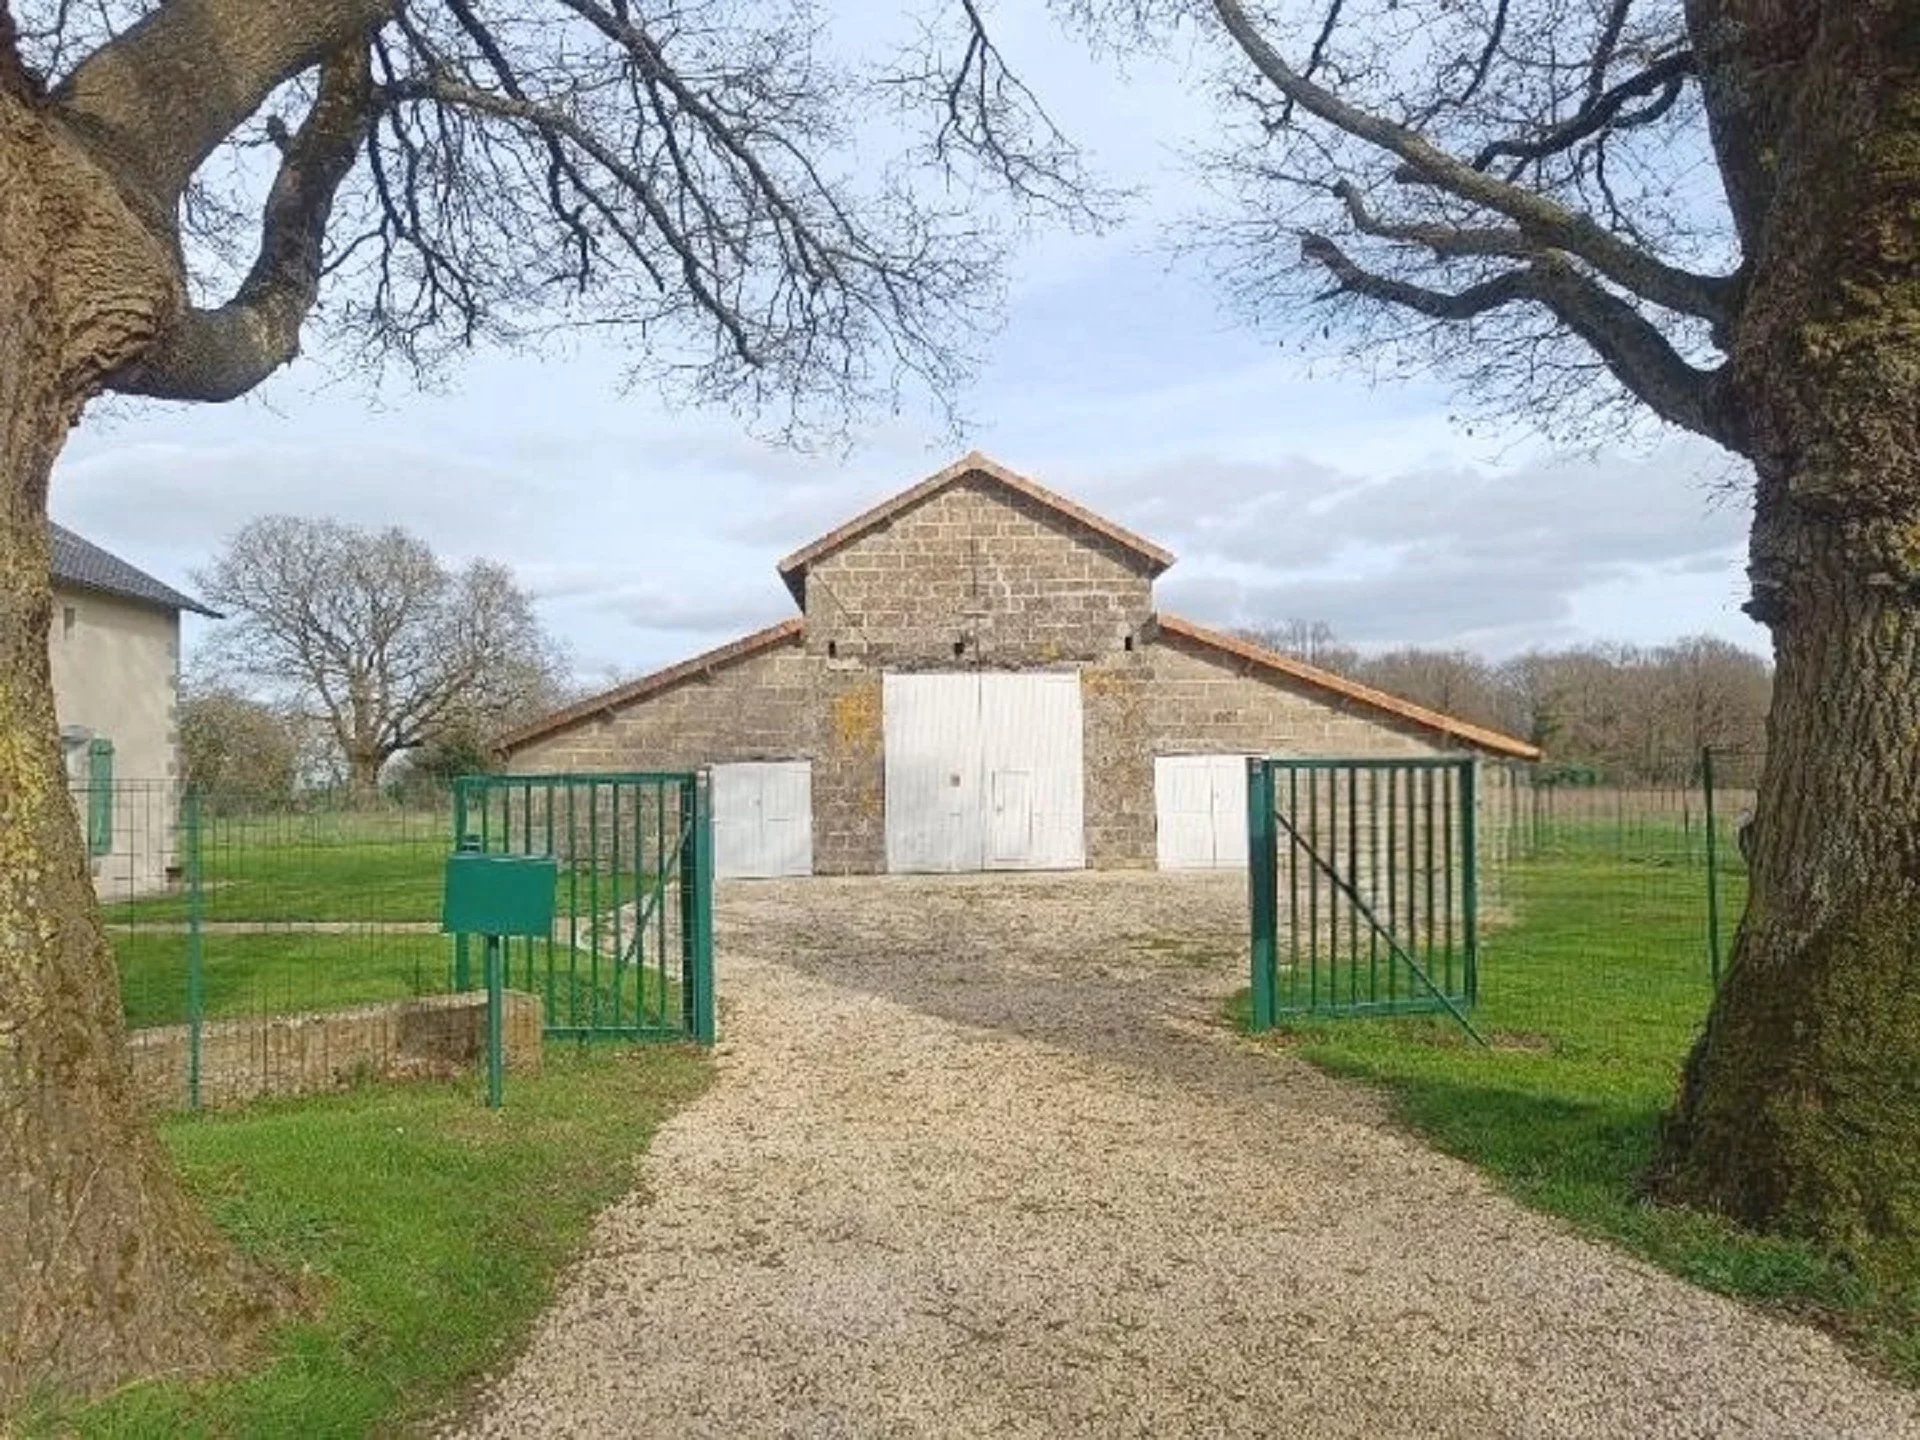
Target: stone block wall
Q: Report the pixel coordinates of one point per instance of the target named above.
(1008, 581)
(242, 1060)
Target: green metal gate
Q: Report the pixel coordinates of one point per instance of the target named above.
(1363, 887)
(631, 952)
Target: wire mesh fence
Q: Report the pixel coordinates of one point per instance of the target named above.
(1621, 896)
(263, 940)
(239, 918)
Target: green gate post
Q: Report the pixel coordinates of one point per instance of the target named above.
(496, 1004)
(462, 968)
(701, 1021)
(1470, 873)
(1263, 880)
(196, 979)
(1713, 868)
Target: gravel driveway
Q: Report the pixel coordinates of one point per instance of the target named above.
(980, 1161)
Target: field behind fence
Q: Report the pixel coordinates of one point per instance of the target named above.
(231, 909)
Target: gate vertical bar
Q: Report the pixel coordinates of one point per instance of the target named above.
(1470, 875)
(196, 978)
(702, 1026)
(1263, 878)
(1713, 869)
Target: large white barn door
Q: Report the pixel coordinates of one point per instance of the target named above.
(935, 819)
(763, 819)
(983, 771)
(1200, 811)
(1031, 751)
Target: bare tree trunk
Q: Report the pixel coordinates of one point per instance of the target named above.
(106, 1272)
(363, 775)
(1800, 1109)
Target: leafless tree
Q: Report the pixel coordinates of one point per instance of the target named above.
(1704, 210)
(1630, 712)
(367, 632)
(232, 744)
(187, 187)
(1313, 641)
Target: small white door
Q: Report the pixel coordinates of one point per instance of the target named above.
(1200, 811)
(763, 819)
(983, 771)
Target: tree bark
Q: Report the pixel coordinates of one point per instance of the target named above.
(106, 1272)
(1800, 1106)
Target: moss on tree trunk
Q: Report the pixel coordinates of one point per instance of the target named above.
(1800, 1108)
(106, 1272)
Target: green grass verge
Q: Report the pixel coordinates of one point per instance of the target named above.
(426, 1229)
(1591, 998)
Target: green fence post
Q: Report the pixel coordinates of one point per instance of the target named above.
(1263, 869)
(196, 979)
(1470, 874)
(496, 1005)
(703, 1018)
(462, 966)
(1713, 868)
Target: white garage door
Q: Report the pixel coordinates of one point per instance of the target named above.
(1200, 810)
(763, 819)
(983, 772)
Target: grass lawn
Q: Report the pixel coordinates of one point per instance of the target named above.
(298, 875)
(427, 1229)
(287, 972)
(275, 972)
(1591, 998)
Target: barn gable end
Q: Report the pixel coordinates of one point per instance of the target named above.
(976, 574)
(978, 571)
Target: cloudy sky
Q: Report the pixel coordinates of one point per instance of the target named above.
(1286, 486)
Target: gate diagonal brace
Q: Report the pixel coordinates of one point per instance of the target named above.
(1345, 887)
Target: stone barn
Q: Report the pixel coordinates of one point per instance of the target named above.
(978, 679)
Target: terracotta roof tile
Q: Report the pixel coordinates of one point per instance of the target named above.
(609, 700)
(1258, 655)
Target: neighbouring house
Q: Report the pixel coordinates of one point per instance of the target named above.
(114, 645)
(979, 679)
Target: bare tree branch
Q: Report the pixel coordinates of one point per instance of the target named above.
(1539, 216)
(221, 353)
(15, 76)
(1634, 350)
(1665, 77)
(156, 100)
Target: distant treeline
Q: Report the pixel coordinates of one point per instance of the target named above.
(1618, 711)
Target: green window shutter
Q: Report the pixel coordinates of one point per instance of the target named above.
(99, 796)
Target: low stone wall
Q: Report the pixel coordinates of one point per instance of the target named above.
(242, 1060)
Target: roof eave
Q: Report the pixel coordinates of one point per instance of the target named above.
(649, 684)
(1478, 737)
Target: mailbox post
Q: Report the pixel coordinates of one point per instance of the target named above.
(497, 896)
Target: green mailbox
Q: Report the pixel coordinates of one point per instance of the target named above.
(496, 896)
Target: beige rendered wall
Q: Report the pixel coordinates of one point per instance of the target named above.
(116, 667)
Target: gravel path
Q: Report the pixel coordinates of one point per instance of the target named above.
(979, 1161)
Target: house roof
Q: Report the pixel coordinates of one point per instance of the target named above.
(1274, 662)
(794, 568)
(610, 700)
(80, 562)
